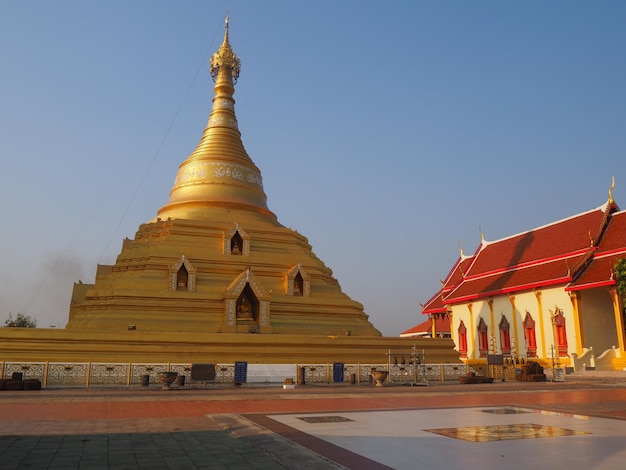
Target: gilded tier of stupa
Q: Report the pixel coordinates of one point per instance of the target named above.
(216, 260)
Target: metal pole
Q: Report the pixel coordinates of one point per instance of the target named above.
(389, 365)
(45, 375)
(88, 374)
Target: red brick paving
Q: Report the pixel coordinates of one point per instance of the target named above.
(141, 404)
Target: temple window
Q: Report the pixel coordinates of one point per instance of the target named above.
(483, 338)
(560, 334)
(462, 333)
(505, 336)
(529, 335)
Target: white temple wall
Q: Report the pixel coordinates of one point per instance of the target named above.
(598, 320)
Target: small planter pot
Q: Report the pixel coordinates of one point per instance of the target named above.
(167, 378)
(380, 376)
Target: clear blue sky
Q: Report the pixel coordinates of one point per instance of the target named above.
(388, 133)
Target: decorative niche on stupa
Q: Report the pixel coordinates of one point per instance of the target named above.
(236, 242)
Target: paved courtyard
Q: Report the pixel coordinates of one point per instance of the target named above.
(575, 424)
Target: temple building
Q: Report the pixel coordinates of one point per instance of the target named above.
(549, 294)
(214, 276)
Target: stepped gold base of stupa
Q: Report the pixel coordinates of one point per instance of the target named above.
(41, 345)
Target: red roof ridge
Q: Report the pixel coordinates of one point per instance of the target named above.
(528, 264)
(604, 207)
(508, 290)
(608, 254)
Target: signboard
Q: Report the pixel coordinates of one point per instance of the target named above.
(495, 359)
(241, 372)
(338, 372)
(202, 372)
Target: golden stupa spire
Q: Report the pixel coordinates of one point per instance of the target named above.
(225, 59)
(219, 172)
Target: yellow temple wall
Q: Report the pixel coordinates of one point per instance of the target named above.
(551, 299)
(537, 303)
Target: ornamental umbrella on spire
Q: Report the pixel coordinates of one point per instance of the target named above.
(225, 59)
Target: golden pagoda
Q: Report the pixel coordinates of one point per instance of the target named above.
(215, 276)
(216, 259)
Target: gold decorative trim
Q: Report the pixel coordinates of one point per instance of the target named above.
(205, 171)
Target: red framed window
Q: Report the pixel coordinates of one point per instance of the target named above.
(483, 338)
(505, 336)
(462, 335)
(560, 333)
(529, 336)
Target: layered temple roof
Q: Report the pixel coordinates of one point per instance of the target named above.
(599, 272)
(578, 252)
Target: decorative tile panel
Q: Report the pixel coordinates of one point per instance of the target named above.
(503, 432)
(67, 374)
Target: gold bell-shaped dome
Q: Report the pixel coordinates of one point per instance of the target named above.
(219, 172)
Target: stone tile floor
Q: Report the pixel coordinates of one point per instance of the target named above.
(260, 426)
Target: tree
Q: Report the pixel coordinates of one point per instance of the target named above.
(21, 321)
(620, 276)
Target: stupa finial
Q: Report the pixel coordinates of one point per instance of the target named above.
(226, 20)
(225, 58)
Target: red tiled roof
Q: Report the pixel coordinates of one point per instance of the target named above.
(530, 277)
(599, 272)
(554, 240)
(436, 304)
(442, 324)
(614, 238)
(544, 256)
